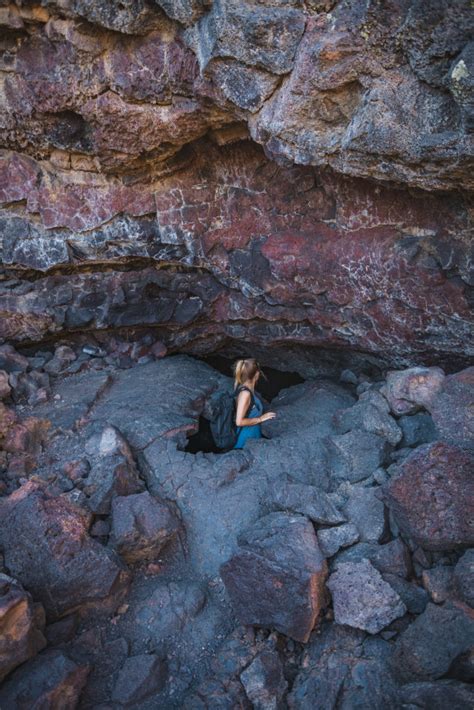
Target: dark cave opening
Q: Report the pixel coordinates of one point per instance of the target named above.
(268, 387)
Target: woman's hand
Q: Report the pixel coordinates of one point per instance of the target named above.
(266, 416)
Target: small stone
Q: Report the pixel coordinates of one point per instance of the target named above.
(349, 377)
(367, 513)
(264, 682)
(438, 582)
(141, 526)
(464, 577)
(362, 599)
(332, 539)
(414, 597)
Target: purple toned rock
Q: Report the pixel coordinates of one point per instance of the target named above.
(279, 556)
(431, 497)
(362, 599)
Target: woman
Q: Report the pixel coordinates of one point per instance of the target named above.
(248, 418)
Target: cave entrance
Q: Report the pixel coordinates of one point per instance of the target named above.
(276, 381)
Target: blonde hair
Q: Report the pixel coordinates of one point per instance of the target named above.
(245, 370)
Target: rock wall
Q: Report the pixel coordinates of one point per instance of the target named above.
(278, 173)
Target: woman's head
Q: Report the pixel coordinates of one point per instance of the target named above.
(245, 370)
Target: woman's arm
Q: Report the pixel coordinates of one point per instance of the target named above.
(243, 402)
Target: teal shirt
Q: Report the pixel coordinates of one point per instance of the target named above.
(250, 432)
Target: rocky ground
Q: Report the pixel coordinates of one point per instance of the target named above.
(329, 565)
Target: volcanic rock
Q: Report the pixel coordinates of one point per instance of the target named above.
(22, 623)
(141, 526)
(355, 455)
(46, 546)
(367, 513)
(361, 597)
(438, 582)
(393, 557)
(332, 539)
(452, 409)
(51, 680)
(264, 682)
(307, 500)
(139, 677)
(428, 647)
(343, 665)
(431, 497)
(278, 556)
(408, 390)
(464, 577)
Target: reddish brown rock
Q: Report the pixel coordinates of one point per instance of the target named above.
(51, 680)
(276, 578)
(22, 625)
(431, 497)
(47, 547)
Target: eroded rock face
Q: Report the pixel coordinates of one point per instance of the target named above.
(127, 145)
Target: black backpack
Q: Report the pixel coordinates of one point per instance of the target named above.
(222, 417)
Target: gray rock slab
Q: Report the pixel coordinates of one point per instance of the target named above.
(362, 599)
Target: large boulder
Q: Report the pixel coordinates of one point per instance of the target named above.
(367, 512)
(361, 597)
(276, 578)
(428, 647)
(22, 625)
(46, 545)
(410, 390)
(431, 496)
(355, 455)
(343, 668)
(452, 409)
(141, 526)
(371, 414)
(51, 680)
(307, 500)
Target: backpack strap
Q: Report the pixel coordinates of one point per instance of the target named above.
(243, 387)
